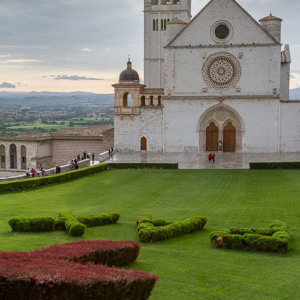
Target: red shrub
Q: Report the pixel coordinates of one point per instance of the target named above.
(54, 272)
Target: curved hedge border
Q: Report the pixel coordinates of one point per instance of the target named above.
(275, 165)
(76, 226)
(25, 184)
(75, 271)
(276, 238)
(158, 230)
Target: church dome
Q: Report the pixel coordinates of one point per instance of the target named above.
(270, 18)
(129, 74)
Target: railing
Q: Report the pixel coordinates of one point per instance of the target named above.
(65, 168)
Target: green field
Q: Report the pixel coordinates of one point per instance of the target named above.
(187, 267)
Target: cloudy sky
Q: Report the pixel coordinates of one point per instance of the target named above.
(82, 45)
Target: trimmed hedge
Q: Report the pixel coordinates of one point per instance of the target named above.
(75, 271)
(143, 166)
(25, 184)
(275, 165)
(35, 224)
(276, 238)
(73, 226)
(76, 226)
(100, 219)
(158, 230)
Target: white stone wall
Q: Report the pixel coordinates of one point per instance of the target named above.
(285, 81)
(260, 71)
(260, 119)
(129, 130)
(290, 126)
(245, 29)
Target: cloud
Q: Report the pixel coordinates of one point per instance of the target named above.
(7, 85)
(86, 50)
(74, 77)
(295, 80)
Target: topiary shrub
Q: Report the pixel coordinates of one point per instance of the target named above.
(77, 229)
(76, 226)
(276, 238)
(71, 221)
(34, 224)
(100, 219)
(149, 231)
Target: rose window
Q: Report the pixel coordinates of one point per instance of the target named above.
(221, 70)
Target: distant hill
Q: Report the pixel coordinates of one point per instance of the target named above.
(34, 99)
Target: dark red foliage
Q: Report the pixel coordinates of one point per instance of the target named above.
(74, 271)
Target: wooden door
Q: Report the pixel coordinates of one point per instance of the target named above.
(229, 138)
(143, 143)
(212, 136)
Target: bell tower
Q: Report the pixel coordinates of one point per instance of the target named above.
(157, 13)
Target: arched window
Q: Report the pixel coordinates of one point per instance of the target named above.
(23, 157)
(176, 1)
(159, 101)
(151, 100)
(127, 100)
(2, 157)
(13, 156)
(154, 2)
(143, 143)
(143, 101)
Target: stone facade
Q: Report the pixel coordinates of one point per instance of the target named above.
(50, 149)
(225, 84)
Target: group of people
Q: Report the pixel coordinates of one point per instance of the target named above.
(85, 155)
(211, 158)
(35, 173)
(31, 173)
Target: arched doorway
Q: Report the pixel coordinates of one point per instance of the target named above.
(23, 157)
(229, 138)
(221, 115)
(212, 135)
(143, 143)
(13, 156)
(2, 157)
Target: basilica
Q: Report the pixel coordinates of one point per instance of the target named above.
(215, 82)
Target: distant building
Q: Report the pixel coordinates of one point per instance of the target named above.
(217, 81)
(50, 149)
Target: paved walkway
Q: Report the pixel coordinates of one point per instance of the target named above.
(226, 160)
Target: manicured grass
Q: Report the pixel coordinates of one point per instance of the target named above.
(188, 266)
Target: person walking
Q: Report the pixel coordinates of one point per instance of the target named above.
(27, 173)
(43, 171)
(210, 157)
(93, 158)
(213, 158)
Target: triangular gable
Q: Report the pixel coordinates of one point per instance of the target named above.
(246, 30)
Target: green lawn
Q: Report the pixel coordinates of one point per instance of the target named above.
(188, 267)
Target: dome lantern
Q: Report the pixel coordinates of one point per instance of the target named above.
(129, 75)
